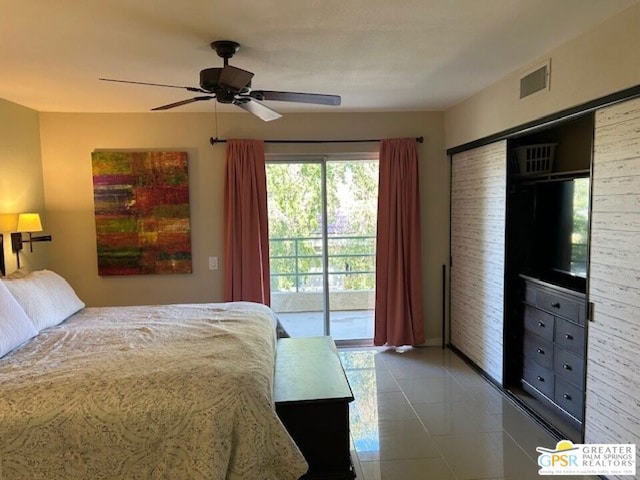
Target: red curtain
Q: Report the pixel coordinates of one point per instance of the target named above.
(398, 310)
(246, 236)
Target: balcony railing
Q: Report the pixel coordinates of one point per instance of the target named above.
(297, 263)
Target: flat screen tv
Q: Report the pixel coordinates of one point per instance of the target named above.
(562, 231)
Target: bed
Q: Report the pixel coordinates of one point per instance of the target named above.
(157, 392)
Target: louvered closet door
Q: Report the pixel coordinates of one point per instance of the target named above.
(613, 356)
(478, 199)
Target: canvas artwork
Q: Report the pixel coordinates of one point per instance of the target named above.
(142, 212)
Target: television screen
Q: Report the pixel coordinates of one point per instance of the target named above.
(562, 221)
(574, 261)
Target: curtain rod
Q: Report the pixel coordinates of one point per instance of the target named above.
(221, 140)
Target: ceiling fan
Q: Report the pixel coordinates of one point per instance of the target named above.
(232, 85)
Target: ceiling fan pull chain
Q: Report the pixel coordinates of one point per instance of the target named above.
(215, 115)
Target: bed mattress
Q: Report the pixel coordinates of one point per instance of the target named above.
(159, 392)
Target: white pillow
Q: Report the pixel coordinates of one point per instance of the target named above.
(46, 297)
(15, 326)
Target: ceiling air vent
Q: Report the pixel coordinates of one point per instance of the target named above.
(535, 80)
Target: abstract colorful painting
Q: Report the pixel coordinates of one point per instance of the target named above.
(142, 212)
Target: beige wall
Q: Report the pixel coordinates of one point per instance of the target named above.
(583, 69)
(69, 139)
(21, 187)
(604, 60)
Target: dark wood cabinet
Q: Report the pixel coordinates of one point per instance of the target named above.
(553, 344)
(312, 396)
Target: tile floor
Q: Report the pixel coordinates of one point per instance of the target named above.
(425, 414)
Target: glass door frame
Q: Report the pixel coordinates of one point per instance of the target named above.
(323, 160)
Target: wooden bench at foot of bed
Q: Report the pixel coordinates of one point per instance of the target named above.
(312, 396)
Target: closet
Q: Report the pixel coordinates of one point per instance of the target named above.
(546, 251)
(544, 295)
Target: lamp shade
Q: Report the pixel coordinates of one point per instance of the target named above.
(29, 222)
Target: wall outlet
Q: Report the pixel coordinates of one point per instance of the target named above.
(213, 263)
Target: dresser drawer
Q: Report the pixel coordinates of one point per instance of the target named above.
(569, 366)
(538, 377)
(561, 305)
(539, 350)
(538, 322)
(569, 335)
(568, 397)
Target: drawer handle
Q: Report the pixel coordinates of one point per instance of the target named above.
(555, 304)
(540, 351)
(567, 367)
(568, 336)
(540, 379)
(566, 396)
(541, 324)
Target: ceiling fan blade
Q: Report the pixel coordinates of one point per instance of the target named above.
(191, 89)
(234, 78)
(182, 102)
(316, 98)
(260, 110)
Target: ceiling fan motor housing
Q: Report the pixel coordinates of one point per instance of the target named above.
(210, 81)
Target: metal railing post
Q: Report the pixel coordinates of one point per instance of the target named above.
(297, 267)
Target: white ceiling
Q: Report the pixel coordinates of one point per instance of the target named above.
(378, 55)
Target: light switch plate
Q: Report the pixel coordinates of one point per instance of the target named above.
(213, 263)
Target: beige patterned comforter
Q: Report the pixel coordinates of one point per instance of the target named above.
(162, 392)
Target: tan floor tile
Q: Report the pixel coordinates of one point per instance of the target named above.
(422, 469)
(392, 440)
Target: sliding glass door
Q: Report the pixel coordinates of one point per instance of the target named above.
(296, 246)
(352, 200)
(322, 223)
